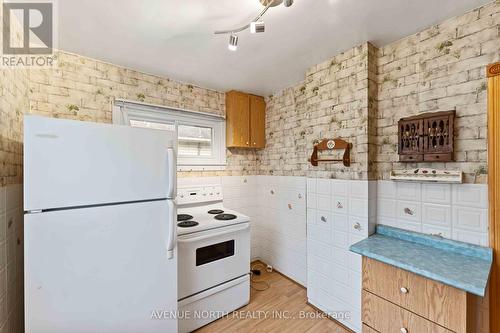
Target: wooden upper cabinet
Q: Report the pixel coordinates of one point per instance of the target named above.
(245, 120)
(257, 122)
(237, 119)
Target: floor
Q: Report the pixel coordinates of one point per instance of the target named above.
(281, 308)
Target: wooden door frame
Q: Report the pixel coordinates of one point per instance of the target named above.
(493, 74)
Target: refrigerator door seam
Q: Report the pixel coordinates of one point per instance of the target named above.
(92, 206)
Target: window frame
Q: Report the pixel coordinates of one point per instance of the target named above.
(125, 110)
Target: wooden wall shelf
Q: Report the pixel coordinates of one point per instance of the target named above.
(331, 144)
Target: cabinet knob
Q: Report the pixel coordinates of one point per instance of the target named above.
(247, 143)
(323, 219)
(404, 290)
(357, 226)
(404, 330)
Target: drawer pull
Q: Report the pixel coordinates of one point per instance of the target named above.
(272, 191)
(300, 196)
(357, 226)
(340, 205)
(403, 290)
(323, 218)
(404, 330)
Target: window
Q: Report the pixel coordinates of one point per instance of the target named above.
(200, 136)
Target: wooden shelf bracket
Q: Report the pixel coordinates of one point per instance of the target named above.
(329, 145)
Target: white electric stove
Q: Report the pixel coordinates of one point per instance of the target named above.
(213, 257)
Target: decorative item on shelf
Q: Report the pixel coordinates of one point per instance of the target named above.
(428, 175)
(426, 137)
(331, 144)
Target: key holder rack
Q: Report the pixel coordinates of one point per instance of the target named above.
(329, 145)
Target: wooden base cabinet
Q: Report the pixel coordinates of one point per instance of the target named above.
(398, 301)
(245, 120)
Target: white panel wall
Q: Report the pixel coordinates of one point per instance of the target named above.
(240, 194)
(282, 224)
(458, 211)
(304, 227)
(339, 213)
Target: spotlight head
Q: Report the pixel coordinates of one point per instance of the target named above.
(233, 42)
(287, 3)
(257, 27)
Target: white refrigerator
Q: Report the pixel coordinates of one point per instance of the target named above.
(100, 228)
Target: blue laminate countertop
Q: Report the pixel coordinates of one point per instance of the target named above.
(460, 265)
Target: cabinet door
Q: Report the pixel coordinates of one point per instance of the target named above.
(237, 119)
(257, 122)
(411, 142)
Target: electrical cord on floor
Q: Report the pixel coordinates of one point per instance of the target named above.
(254, 284)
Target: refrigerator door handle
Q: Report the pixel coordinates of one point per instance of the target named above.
(172, 171)
(171, 229)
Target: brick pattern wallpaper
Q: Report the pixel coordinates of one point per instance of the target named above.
(13, 102)
(81, 88)
(441, 68)
(331, 102)
(360, 95)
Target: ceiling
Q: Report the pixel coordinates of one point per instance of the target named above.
(174, 38)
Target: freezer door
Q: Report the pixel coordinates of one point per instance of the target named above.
(72, 163)
(101, 269)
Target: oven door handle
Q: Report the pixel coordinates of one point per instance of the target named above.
(197, 239)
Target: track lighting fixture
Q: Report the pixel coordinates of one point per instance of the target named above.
(256, 26)
(233, 42)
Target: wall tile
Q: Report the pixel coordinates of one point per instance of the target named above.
(323, 186)
(386, 189)
(470, 195)
(436, 193)
(473, 219)
(358, 189)
(439, 215)
(408, 191)
(410, 211)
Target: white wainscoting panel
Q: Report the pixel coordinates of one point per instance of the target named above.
(334, 273)
(454, 211)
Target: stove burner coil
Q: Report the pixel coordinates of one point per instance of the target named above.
(225, 217)
(215, 211)
(184, 217)
(187, 224)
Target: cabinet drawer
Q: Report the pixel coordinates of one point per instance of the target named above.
(386, 317)
(368, 329)
(411, 158)
(438, 157)
(444, 305)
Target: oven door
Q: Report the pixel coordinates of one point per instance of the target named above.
(209, 258)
